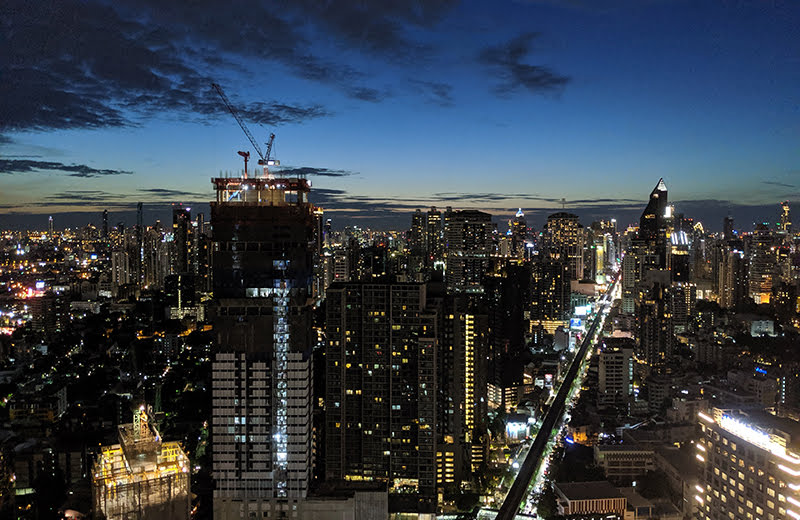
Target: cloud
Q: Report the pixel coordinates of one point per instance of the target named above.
(308, 170)
(174, 194)
(780, 184)
(63, 68)
(436, 93)
(507, 61)
(14, 166)
(81, 197)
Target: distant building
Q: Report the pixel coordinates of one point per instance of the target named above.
(468, 236)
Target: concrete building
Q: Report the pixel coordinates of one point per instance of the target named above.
(142, 477)
(749, 467)
(263, 269)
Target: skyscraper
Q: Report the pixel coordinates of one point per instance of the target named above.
(263, 233)
(468, 235)
(380, 390)
(563, 241)
(181, 242)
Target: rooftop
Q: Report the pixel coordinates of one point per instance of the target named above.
(587, 490)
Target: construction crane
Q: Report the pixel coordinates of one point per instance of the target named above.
(263, 159)
(246, 156)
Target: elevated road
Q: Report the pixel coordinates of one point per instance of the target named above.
(519, 488)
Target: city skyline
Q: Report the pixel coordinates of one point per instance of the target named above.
(392, 109)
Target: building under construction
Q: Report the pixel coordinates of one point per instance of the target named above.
(141, 477)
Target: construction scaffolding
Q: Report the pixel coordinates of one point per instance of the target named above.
(141, 477)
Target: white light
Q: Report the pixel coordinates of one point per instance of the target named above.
(792, 513)
(705, 417)
(699, 488)
(699, 498)
(700, 458)
(701, 447)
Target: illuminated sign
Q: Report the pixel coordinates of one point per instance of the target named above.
(760, 370)
(576, 323)
(583, 310)
(39, 286)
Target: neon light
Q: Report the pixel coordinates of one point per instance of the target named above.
(699, 499)
(700, 458)
(699, 488)
(793, 501)
(701, 447)
(792, 514)
(760, 370)
(705, 417)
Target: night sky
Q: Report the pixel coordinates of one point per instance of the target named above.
(394, 105)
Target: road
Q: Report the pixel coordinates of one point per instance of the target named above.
(519, 488)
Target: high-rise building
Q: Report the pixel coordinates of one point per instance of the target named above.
(463, 333)
(468, 235)
(518, 228)
(104, 234)
(656, 333)
(380, 390)
(563, 241)
(732, 278)
(181, 239)
(142, 477)
(749, 466)
(434, 243)
(727, 228)
(263, 241)
(615, 374)
(763, 264)
(50, 230)
(653, 227)
(120, 268)
(785, 224)
(550, 304)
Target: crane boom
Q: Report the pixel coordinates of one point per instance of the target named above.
(269, 147)
(241, 123)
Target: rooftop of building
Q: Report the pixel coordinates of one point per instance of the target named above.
(593, 490)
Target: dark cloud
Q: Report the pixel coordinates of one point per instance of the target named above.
(301, 171)
(81, 197)
(174, 194)
(91, 64)
(507, 62)
(780, 184)
(65, 67)
(12, 166)
(436, 93)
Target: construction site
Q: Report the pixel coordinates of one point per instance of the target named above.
(141, 477)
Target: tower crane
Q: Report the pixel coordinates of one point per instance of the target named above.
(264, 160)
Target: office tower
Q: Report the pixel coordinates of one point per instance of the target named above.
(749, 467)
(417, 251)
(678, 258)
(120, 268)
(319, 258)
(142, 477)
(49, 314)
(563, 240)
(653, 228)
(263, 240)
(763, 263)
(518, 227)
(727, 228)
(104, 234)
(434, 243)
(656, 338)
(508, 297)
(785, 224)
(181, 239)
(682, 298)
(732, 278)
(551, 293)
(380, 390)
(50, 230)
(468, 234)
(615, 374)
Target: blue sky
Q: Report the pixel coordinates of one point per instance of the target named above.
(398, 105)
